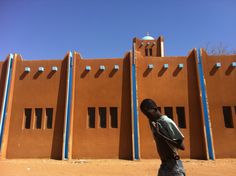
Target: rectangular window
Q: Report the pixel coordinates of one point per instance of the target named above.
(114, 117)
(228, 117)
(38, 116)
(169, 112)
(150, 51)
(146, 51)
(49, 115)
(28, 112)
(181, 117)
(102, 114)
(91, 117)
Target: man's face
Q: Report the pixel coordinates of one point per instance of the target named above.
(150, 113)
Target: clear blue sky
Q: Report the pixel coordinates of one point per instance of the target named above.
(47, 29)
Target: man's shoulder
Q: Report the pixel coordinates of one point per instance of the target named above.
(165, 118)
(168, 123)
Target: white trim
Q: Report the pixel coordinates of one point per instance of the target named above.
(162, 49)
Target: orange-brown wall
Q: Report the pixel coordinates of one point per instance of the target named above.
(220, 87)
(37, 90)
(169, 88)
(108, 88)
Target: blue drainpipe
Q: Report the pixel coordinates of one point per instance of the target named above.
(135, 110)
(68, 107)
(205, 106)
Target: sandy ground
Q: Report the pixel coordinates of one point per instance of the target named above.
(42, 167)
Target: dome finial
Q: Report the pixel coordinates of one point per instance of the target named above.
(148, 37)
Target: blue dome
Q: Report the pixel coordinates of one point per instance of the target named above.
(148, 37)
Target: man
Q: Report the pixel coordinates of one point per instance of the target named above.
(168, 139)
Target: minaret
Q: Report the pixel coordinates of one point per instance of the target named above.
(149, 46)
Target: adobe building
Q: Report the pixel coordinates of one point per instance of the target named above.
(76, 108)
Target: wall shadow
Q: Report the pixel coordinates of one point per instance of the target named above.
(50, 75)
(23, 75)
(57, 140)
(176, 71)
(146, 72)
(98, 73)
(213, 70)
(125, 143)
(229, 70)
(37, 74)
(113, 72)
(196, 131)
(84, 73)
(162, 71)
(2, 81)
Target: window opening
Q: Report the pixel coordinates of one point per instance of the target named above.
(150, 51)
(28, 112)
(146, 51)
(169, 112)
(114, 117)
(49, 115)
(181, 117)
(228, 117)
(102, 114)
(38, 115)
(91, 117)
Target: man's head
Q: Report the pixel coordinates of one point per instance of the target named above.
(149, 108)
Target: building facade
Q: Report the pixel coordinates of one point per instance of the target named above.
(78, 108)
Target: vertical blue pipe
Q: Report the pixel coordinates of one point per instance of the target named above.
(205, 106)
(68, 107)
(135, 110)
(5, 98)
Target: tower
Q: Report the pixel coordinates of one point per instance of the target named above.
(149, 46)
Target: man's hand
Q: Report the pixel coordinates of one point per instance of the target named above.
(180, 144)
(155, 124)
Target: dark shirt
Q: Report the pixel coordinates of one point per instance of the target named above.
(166, 150)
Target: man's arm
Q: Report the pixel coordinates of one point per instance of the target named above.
(176, 143)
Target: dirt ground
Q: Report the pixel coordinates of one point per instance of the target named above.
(42, 167)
